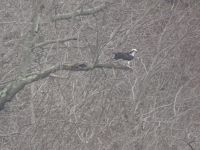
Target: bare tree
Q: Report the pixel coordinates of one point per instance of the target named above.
(67, 92)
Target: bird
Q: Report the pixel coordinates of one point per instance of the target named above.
(127, 56)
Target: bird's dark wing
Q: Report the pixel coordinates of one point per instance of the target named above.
(118, 55)
(123, 56)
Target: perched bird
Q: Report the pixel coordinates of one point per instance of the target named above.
(127, 56)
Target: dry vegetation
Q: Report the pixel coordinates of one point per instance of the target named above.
(60, 89)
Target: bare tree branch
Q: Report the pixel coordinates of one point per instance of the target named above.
(54, 41)
(79, 13)
(11, 89)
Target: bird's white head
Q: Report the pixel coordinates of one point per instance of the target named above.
(133, 51)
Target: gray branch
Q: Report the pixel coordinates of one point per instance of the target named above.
(54, 41)
(12, 88)
(79, 13)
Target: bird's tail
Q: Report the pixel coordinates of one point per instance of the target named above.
(111, 58)
(115, 56)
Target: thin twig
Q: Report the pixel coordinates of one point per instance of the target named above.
(79, 13)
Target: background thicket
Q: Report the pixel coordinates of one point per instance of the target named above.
(60, 88)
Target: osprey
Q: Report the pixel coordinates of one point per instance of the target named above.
(128, 56)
